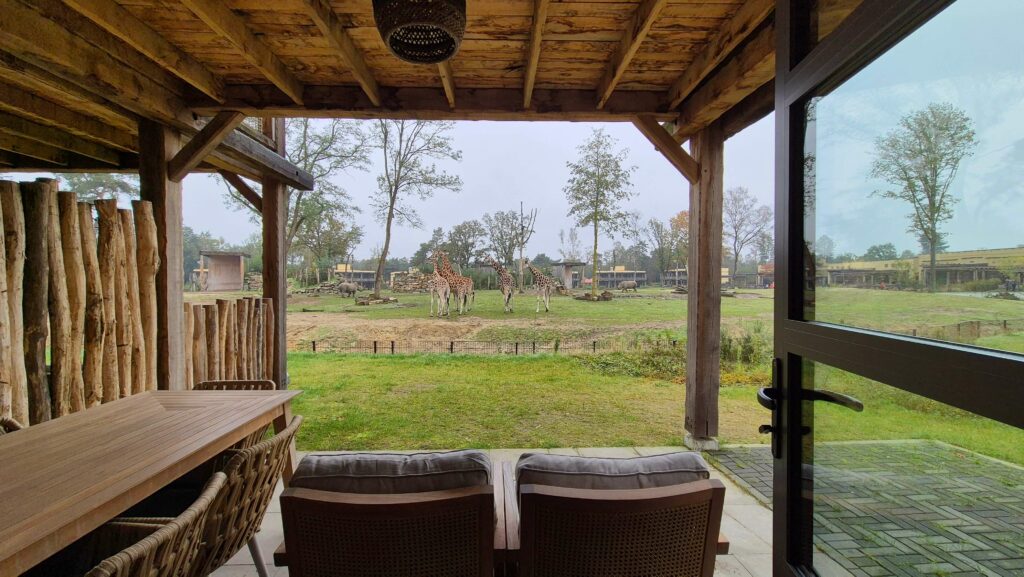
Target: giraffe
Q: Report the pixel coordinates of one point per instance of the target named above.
(543, 285)
(461, 287)
(438, 285)
(505, 283)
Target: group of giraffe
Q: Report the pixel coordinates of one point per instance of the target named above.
(446, 282)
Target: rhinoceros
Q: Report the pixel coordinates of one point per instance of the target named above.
(347, 289)
(627, 284)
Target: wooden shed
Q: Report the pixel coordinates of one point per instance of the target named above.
(221, 270)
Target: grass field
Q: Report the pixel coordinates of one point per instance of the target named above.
(362, 402)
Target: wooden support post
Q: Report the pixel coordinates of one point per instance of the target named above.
(74, 270)
(138, 350)
(188, 334)
(157, 146)
(122, 308)
(6, 361)
(92, 371)
(148, 260)
(275, 259)
(14, 249)
(34, 200)
(61, 351)
(705, 298)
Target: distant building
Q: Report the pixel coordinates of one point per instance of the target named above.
(563, 271)
(679, 277)
(364, 278)
(220, 271)
(612, 278)
(951, 268)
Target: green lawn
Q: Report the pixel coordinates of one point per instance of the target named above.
(362, 402)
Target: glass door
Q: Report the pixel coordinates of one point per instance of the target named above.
(898, 397)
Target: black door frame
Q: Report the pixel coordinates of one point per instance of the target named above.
(934, 369)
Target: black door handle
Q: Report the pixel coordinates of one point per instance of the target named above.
(766, 397)
(834, 398)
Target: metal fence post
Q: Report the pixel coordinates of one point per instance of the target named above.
(517, 348)
(392, 347)
(451, 347)
(314, 346)
(595, 346)
(374, 347)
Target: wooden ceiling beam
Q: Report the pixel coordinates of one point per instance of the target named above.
(33, 149)
(42, 42)
(743, 23)
(632, 37)
(759, 104)
(263, 161)
(447, 81)
(540, 16)
(203, 143)
(17, 126)
(129, 164)
(121, 23)
(749, 69)
(243, 189)
(330, 26)
(432, 104)
(38, 109)
(668, 147)
(218, 16)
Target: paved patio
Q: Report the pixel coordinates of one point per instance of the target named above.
(746, 522)
(904, 508)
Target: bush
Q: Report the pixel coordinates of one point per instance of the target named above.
(979, 286)
(746, 346)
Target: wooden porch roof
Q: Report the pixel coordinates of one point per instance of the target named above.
(77, 75)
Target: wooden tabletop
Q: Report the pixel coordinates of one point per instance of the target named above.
(61, 479)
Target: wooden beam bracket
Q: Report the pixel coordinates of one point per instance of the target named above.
(203, 143)
(243, 189)
(668, 147)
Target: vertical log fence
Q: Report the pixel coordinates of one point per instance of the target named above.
(229, 340)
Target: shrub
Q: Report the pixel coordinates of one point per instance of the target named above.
(979, 286)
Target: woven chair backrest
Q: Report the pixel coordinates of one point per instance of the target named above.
(236, 386)
(252, 474)
(168, 551)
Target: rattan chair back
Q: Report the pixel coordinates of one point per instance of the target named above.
(258, 385)
(155, 547)
(8, 425)
(449, 533)
(252, 475)
(659, 532)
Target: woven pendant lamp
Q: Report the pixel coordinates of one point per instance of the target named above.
(421, 31)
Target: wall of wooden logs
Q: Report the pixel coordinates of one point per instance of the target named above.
(229, 340)
(77, 312)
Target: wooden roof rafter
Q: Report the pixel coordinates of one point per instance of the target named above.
(540, 15)
(36, 108)
(233, 28)
(330, 26)
(632, 37)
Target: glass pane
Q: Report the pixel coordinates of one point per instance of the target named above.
(910, 486)
(914, 189)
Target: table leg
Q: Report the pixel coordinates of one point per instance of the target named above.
(281, 422)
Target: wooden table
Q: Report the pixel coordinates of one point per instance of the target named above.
(61, 479)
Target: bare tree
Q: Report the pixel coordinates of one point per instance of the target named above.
(743, 221)
(572, 248)
(407, 148)
(660, 238)
(325, 149)
(921, 158)
(598, 184)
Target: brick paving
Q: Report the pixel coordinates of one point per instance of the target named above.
(905, 508)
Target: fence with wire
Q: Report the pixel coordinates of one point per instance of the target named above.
(564, 347)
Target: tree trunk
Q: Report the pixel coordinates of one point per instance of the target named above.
(62, 353)
(935, 277)
(593, 281)
(14, 236)
(107, 211)
(36, 284)
(74, 272)
(522, 288)
(92, 373)
(378, 279)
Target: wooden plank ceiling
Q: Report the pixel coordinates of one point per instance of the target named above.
(75, 75)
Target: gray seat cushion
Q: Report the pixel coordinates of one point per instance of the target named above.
(603, 473)
(390, 473)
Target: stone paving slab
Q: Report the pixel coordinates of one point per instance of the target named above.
(904, 508)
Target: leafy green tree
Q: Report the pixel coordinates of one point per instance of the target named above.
(662, 240)
(419, 259)
(824, 248)
(599, 183)
(193, 244)
(920, 159)
(885, 251)
(466, 243)
(502, 234)
(100, 185)
(326, 149)
(408, 148)
(329, 238)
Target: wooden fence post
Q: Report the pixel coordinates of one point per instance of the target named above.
(199, 360)
(36, 284)
(230, 343)
(138, 346)
(243, 338)
(14, 249)
(188, 334)
(222, 335)
(74, 270)
(147, 257)
(268, 339)
(58, 309)
(6, 361)
(94, 328)
(213, 351)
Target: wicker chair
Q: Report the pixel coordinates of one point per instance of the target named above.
(448, 532)
(656, 532)
(8, 425)
(139, 547)
(236, 515)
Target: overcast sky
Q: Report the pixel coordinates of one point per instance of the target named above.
(504, 163)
